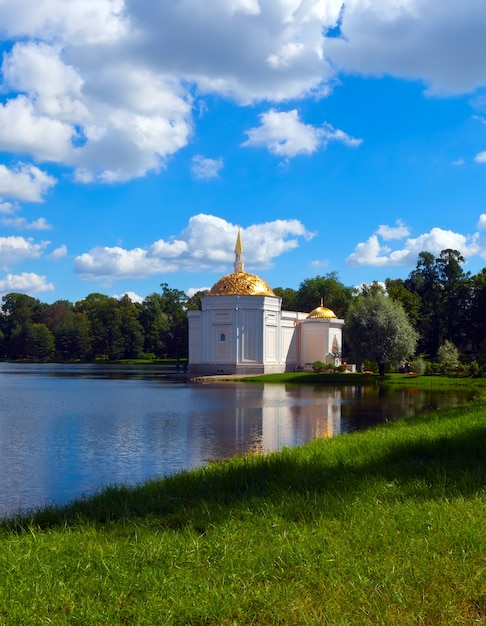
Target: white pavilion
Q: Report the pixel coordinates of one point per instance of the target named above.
(241, 329)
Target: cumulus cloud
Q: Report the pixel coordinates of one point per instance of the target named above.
(7, 208)
(205, 168)
(111, 83)
(206, 243)
(132, 295)
(283, 134)
(58, 253)
(20, 223)
(393, 232)
(374, 253)
(418, 39)
(480, 157)
(24, 182)
(16, 249)
(247, 50)
(78, 21)
(27, 282)
(482, 222)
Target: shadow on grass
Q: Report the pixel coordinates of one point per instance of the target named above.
(339, 471)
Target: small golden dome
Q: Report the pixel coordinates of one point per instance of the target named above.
(321, 312)
(241, 284)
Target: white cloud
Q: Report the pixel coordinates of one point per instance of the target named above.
(400, 231)
(206, 243)
(111, 83)
(439, 43)
(58, 253)
(108, 120)
(7, 208)
(283, 134)
(20, 223)
(132, 295)
(245, 50)
(16, 249)
(26, 282)
(373, 252)
(480, 157)
(24, 182)
(24, 131)
(482, 222)
(320, 264)
(77, 21)
(205, 168)
(458, 162)
(193, 290)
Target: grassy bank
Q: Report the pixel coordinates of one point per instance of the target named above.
(385, 526)
(404, 380)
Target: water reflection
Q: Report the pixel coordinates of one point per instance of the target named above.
(66, 430)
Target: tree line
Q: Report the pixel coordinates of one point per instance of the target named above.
(98, 327)
(442, 302)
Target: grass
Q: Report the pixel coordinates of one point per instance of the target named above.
(385, 526)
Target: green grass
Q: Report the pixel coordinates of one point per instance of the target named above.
(403, 380)
(386, 526)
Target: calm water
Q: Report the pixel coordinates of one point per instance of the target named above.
(67, 430)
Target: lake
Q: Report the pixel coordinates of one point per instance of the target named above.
(67, 430)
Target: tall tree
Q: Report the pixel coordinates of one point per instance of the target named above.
(377, 328)
(477, 326)
(456, 295)
(425, 282)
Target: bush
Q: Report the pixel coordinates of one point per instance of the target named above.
(418, 365)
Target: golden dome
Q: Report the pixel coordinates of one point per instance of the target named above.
(241, 284)
(321, 312)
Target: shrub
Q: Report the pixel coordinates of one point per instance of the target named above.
(418, 365)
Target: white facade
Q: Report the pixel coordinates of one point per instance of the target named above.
(243, 334)
(241, 329)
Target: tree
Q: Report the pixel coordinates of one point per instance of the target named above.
(289, 298)
(105, 319)
(194, 302)
(19, 313)
(74, 338)
(477, 326)
(131, 328)
(425, 282)
(396, 289)
(456, 295)
(42, 341)
(377, 328)
(334, 294)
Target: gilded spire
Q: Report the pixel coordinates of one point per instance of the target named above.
(238, 253)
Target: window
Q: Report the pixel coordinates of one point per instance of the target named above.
(222, 337)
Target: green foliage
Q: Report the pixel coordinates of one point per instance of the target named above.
(378, 329)
(448, 355)
(418, 365)
(442, 302)
(289, 298)
(333, 293)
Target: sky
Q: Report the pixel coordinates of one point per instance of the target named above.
(136, 136)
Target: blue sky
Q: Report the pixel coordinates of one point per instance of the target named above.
(136, 135)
